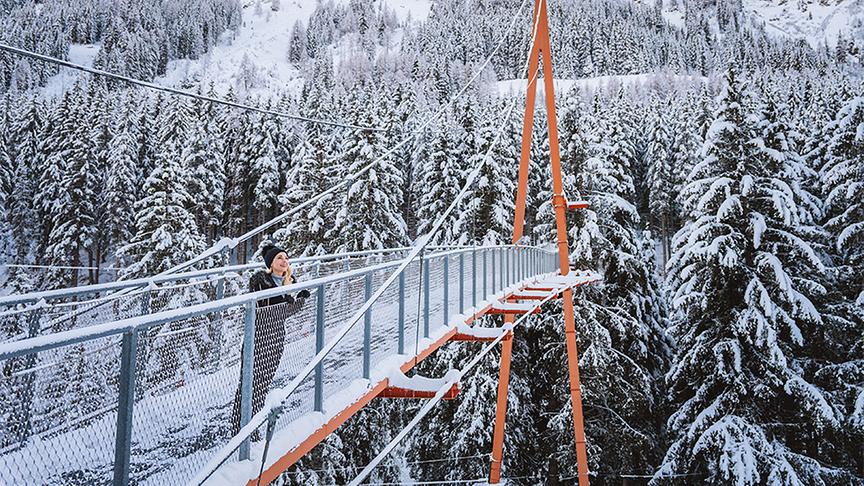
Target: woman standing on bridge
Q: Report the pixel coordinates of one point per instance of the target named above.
(269, 326)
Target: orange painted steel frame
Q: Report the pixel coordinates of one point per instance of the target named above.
(270, 474)
(542, 47)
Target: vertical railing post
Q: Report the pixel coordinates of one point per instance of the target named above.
(446, 289)
(474, 279)
(402, 312)
(461, 282)
(125, 404)
(367, 330)
(484, 273)
(319, 345)
(507, 267)
(494, 251)
(29, 392)
(217, 325)
(246, 363)
(522, 260)
(426, 298)
(143, 349)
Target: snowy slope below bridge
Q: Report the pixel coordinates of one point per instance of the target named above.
(816, 21)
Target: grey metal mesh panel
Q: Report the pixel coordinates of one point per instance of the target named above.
(58, 413)
(453, 287)
(413, 307)
(188, 371)
(384, 319)
(436, 293)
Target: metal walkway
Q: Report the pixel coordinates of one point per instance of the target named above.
(135, 392)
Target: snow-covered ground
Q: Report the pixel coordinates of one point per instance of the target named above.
(263, 41)
(810, 20)
(815, 21)
(260, 45)
(82, 54)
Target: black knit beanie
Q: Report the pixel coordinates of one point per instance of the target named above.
(269, 253)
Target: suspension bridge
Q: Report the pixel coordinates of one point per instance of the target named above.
(162, 363)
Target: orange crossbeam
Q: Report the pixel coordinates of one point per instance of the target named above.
(289, 459)
(478, 339)
(523, 296)
(572, 206)
(505, 311)
(397, 392)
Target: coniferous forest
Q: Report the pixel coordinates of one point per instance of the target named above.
(725, 344)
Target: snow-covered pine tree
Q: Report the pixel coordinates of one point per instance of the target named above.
(203, 157)
(487, 217)
(312, 173)
(660, 172)
(165, 230)
(265, 176)
(56, 146)
(98, 130)
(121, 181)
(623, 352)
(25, 132)
(6, 170)
(686, 145)
(369, 216)
(456, 432)
(297, 50)
(841, 178)
(741, 314)
(324, 465)
(440, 181)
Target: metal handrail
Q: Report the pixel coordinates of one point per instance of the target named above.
(31, 297)
(15, 299)
(139, 323)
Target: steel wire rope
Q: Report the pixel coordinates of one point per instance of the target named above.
(469, 182)
(448, 383)
(411, 463)
(167, 89)
(225, 243)
(422, 242)
(454, 377)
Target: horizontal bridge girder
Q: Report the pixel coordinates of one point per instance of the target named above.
(399, 392)
(531, 295)
(513, 308)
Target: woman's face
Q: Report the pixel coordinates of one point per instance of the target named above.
(280, 264)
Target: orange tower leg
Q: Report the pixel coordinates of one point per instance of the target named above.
(501, 406)
(542, 47)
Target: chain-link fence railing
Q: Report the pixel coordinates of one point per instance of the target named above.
(150, 400)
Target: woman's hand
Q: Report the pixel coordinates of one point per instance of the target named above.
(303, 294)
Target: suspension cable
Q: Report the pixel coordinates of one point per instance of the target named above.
(179, 92)
(259, 418)
(452, 377)
(229, 243)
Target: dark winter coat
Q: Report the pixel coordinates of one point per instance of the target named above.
(261, 281)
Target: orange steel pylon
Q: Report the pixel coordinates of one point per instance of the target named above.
(540, 47)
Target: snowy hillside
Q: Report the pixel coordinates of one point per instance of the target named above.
(811, 20)
(255, 57)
